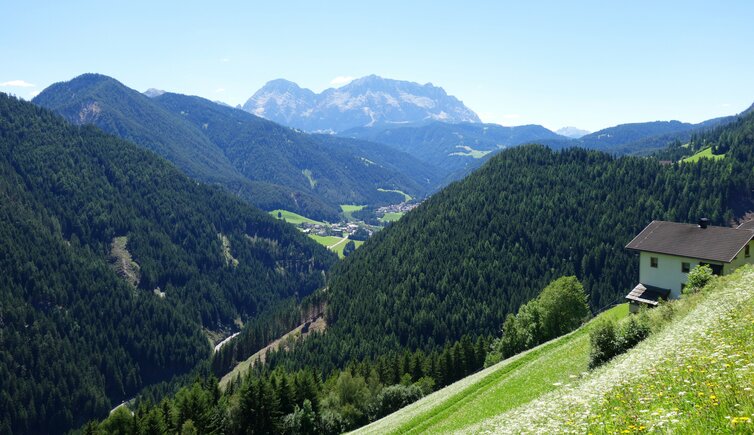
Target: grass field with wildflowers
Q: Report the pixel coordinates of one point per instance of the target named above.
(694, 374)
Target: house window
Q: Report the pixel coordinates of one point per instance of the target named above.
(653, 261)
(717, 269)
(746, 252)
(685, 267)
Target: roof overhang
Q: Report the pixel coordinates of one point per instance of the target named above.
(647, 294)
(711, 260)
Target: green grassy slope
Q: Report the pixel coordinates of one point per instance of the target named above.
(406, 196)
(703, 154)
(348, 210)
(334, 243)
(293, 218)
(503, 386)
(392, 217)
(694, 374)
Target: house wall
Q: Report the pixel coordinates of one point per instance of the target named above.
(740, 260)
(669, 275)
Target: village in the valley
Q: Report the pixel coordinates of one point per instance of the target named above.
(351, 226)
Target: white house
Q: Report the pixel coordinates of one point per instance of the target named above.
(669, 250)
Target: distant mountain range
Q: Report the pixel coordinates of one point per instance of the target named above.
(572, 132)
(394, 135)
(269, 165)
(370, 101)
(425, 122)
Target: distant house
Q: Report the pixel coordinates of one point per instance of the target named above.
(669, 250)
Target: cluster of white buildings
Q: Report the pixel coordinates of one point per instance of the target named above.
(342, 229)
(397, 208)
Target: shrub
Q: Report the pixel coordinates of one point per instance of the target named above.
(604, 343)
(699, 277)
(302, 420)
(494, 356)
(395, 397)
(633, 332)
(426, 384)
(608, 341)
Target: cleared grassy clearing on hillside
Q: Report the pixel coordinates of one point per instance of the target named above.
(406, 196)
(703, 154)
(335, 244)
(392, 217)
(293, 218)
(339, 248)
(327, 241)
(503, 386)
(467, 151)
(349, 209)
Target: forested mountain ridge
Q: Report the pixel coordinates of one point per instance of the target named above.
(719, 138)
(478, 249)
(365, 102)
(457, 148)
(103, 101)
(338, 171)
(268, 165)
(75, 338)
(642, 138)
(462, 147)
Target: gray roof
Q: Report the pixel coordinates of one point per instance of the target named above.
(647, 294)
(748, 225)
(689, 240)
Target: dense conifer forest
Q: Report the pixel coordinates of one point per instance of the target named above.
(382, 350)
(480, 248)
(75, 337)
(413, 309)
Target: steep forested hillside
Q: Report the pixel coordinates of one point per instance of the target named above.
(455, 266)
(271, 166)
(732, 135)
(477, 250)
(330, 168)
(78, 209)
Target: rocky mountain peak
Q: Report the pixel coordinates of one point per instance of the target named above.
(365, 102)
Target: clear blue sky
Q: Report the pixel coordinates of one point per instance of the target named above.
(585, 64)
